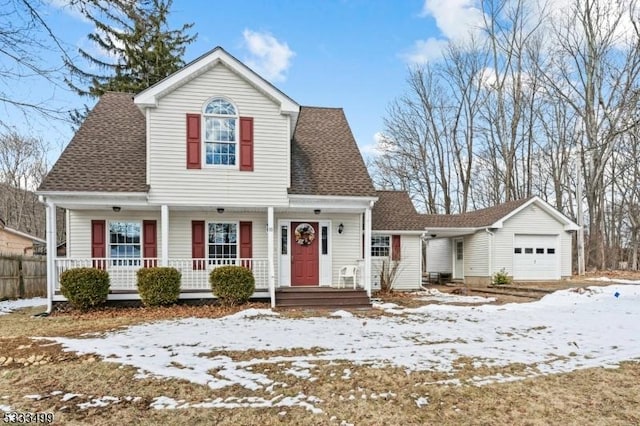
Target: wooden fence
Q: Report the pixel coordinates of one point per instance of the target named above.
(22, 277)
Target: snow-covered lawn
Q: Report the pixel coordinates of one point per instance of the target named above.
(8, 306)
(564, 331)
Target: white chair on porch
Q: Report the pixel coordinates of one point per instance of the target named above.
(349, 271)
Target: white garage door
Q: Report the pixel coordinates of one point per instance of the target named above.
(536, 257)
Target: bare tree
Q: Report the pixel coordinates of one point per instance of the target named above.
(595, 71)
(22, 167)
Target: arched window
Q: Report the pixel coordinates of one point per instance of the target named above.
(220, 132)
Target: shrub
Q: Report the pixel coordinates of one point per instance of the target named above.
(159, 285)
(501, 278)
(388, 274)
(85, 288)
(233, 285)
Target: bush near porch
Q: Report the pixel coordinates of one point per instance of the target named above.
(85, 288)
(158, 286)
(233, 285)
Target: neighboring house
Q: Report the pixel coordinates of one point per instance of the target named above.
(212, 166)
(528, 239)
(13, 241)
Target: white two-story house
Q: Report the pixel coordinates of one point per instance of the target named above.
(213, 166)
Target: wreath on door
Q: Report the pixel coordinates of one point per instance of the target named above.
(305, 234)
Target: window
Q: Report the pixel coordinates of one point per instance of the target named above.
(380, 245)
(325, 240)
(220, 135)
(517, 250)
(539, 251)
(223, 241)
(551, 251)
(124, 243)
(459, 250)
(528, 251)
(284, 239)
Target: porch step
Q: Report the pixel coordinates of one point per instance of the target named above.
(322, 298)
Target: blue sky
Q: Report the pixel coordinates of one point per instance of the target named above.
(353, 54)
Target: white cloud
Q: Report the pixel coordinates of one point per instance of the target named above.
(457, 20)
(268, 56)
(424, 51)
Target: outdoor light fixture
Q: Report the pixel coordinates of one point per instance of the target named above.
(317, 211)
(116, 208)
(340, 229)
(220, 210)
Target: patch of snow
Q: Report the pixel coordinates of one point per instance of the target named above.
(8, 306)
(561, 332)
(422, 401)
(6, 408)
(252, 313)
(614, 280)
(300, 400)
(434, 295)
(384, 305)
(341, 314)
(99, 402)
(35, 397)
(69, 396)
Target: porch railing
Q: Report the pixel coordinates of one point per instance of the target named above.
(195, 272)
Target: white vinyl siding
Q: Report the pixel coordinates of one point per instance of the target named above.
(476, 255)
(532, 220)
(439, 255)
(172, 183)
(409, 275)
(79, 231)
(180, 230)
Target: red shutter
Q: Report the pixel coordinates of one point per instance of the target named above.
(149, 243)
(246, 144)
(197, 244)
(98, 242)
(395, 247)
(193, 141)
(246, 242)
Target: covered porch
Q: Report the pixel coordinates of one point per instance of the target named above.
(132, 234)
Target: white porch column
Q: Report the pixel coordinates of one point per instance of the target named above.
(271, 257)
(164, 226)
(367, 250)
(51, 231)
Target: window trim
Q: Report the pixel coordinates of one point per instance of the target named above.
(207, 244)
(113, 261)
(388, 246)
(236, 142)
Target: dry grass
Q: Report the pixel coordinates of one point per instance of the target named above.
(356, 394)
(377, 396)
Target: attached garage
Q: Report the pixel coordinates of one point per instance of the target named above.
(536, 257)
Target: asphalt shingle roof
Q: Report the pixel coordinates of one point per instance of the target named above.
(107, 154)
(475, 219)
(394, 211)
(325, 159)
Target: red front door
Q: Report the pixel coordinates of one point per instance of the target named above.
(304, 253)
